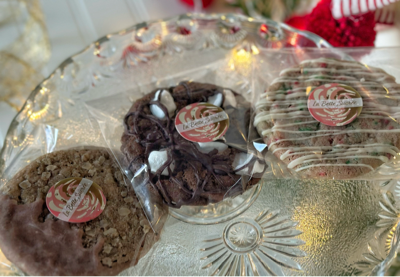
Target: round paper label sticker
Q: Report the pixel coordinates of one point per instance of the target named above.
(75, 200)
(202, 122)
(335, 104)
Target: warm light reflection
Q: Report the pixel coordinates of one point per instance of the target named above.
(389, 239)
(157, 40)
(242, 53)
(240, 59)
(387, 91)
(43, 91)
(293, 40)
(392, 118)
(16, 142)
(255, 50)
(38, 114)
(366, 92)
(34, 115)
(316, 230)
(308, 90)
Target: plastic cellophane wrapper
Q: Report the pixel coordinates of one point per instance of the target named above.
(34, 239)
(187, 175)
(302, 138)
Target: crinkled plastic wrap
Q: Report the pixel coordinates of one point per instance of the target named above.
(40, 244)
(328, 113)
(163, 166)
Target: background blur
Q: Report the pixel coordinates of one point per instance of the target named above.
(73, 24)
(37, 35)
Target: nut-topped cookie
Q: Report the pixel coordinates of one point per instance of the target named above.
(40, 244)
(185, 172)
(362, 139)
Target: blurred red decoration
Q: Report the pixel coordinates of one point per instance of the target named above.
(263, 30)
(128, 50)
(206, 3)
(298, 21)
(234, 29)
(184, 31)
(350, 31)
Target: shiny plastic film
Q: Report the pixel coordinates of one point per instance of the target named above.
(183, 138)
(284, 227)
(328, 113)
(65, 201)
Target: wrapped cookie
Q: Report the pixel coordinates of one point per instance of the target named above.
(73, 212)
(185, 145)
(192, 141)
(325, 115)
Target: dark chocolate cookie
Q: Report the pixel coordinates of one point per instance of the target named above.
(184, 172)
(40, 244)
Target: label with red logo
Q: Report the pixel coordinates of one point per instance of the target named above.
(335, 104)
(75, 200)
(202, 122)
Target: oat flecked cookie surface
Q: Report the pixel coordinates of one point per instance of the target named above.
(316, 150)
(40, 244)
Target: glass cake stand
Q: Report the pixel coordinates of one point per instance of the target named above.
(219, 212)
(278, 227)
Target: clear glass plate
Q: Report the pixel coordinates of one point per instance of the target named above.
(219, 212)
(292, 228)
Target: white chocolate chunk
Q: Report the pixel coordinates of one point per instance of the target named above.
(207, 147)
(157, 112)
(157, 159)
(240, 160)
(167, 100)
(230, 99)
(258, 167)
(216, 99)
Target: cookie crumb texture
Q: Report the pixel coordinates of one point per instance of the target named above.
(187, 176)
(40, 244)
(315, 150)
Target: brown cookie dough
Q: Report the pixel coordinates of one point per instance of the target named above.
(191, 177)
(40, 244)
